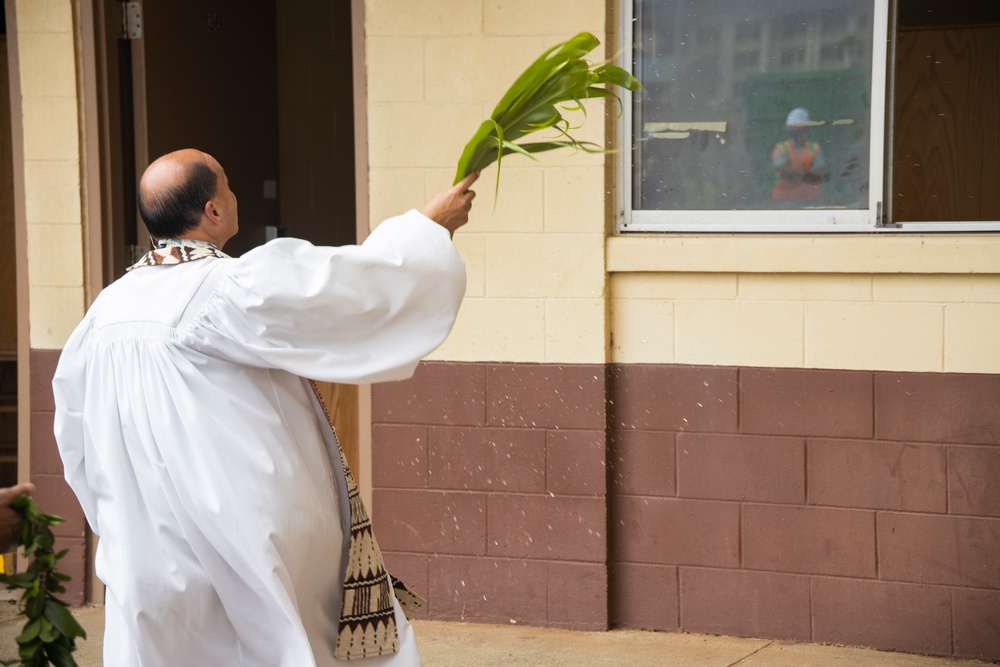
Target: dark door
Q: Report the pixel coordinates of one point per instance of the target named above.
(197, 74)
(210, 82)
(204, 74)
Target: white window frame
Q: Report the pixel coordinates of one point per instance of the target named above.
(806, 220)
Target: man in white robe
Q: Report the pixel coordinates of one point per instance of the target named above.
(201, 455)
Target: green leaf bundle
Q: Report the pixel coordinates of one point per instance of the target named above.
(49, 635)
(560, 80)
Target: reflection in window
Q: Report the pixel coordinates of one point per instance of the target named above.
(758, 105)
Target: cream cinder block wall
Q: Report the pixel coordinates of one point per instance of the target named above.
(535, 255)
(894, 322)
(47, 56)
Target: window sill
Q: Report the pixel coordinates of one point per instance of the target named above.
(786, 253)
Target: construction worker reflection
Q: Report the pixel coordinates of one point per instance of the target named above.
(798, 164)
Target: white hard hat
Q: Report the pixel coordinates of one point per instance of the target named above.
(797, 117)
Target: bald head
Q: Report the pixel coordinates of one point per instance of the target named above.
(174, 190)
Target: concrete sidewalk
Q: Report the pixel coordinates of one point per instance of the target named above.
(474, 645)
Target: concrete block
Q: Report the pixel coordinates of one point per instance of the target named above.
(560, 17)
(644, 597)
(395, 67)
(575, 331)
(499, 460)
(399, 456)
(739, 467)
(547, 527)
(488, 590)
(438, 393)
(55, 255)
(420, 135)
(642, 331)
(782, 538)
(877, 475)
(546, 396)
(759, 604)
(574, 463)
(476, 68)
(575, 199)
(43, 367)
(51, 130)
(497, 330)
(667, 397)
(48, 65)
(431, 521)
(938, 407)
(578, 596)
(759, 333)
(805, 287)
(806, 402)
(972, 475)
(517, 207)
(970, 338)
(642, 463)
(532, 266)
(44, 16)
(44, 451)
(54, 314)
(884, 336)
(423, 17)
(937, 288)
(669, 531)
(938, 549)
(896, 617)
(52, 192)
(976, 617)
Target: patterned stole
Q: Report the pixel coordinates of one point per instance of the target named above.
(367, 621)
(178, 251)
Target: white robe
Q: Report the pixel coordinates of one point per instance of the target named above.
(199, 453)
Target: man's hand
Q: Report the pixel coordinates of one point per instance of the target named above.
(450, 208)
(10, 521)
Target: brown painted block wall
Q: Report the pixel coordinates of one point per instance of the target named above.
(815, 505)
(867, 505)
(491, 487)
(53, 494)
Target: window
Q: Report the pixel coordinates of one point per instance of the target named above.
(774, 116)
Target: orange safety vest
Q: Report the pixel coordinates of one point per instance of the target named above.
(800, 158)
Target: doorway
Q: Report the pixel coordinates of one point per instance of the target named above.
(266, 88)
(8, 278)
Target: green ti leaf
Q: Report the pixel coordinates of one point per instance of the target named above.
(62, 620)
(559, 80)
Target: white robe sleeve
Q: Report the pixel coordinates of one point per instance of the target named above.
(69, 387)
(352, 314)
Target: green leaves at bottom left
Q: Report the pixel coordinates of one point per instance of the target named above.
(48, 636)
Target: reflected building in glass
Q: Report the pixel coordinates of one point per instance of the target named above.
(720, 81)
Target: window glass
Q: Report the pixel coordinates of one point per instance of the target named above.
(751, 105)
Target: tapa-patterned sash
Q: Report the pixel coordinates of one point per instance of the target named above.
(178, 251)
(367, 621)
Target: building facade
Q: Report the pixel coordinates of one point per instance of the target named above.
(782, 434)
